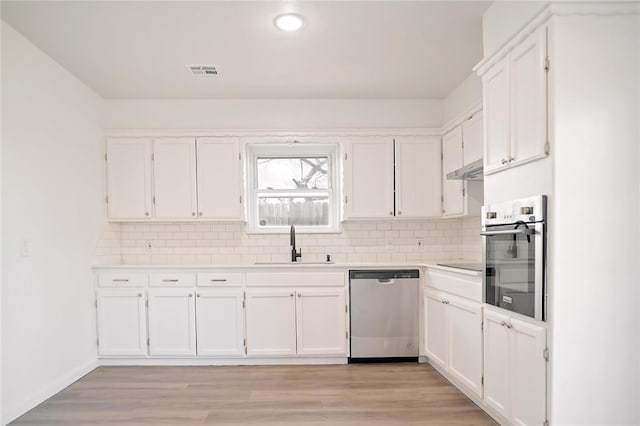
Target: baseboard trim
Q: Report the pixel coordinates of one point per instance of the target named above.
(218, 361)
(46, 392)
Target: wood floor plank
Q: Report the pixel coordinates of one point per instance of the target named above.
(343, 395)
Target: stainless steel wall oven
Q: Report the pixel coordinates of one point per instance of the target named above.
(514, 251)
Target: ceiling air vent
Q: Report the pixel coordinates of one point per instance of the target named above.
(203, 70)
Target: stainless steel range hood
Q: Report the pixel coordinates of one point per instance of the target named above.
(472, 171)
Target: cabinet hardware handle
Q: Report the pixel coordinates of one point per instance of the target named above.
(197, 294)
(504, 161)
(502, 323)
(170, 281)
(139, 294)
(193, 213)
(509, 325)
(399, 213)
(200, 214)
(190, 294)
(291, 295)
(299, 295)
(218, 280)
(390, 213)
(511, 159)
(146, 213)
(120, 280)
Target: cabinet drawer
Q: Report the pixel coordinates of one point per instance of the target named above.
(226, 279)
(122, 279)
(172, 279)
(296, 279)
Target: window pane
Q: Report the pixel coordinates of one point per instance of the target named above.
(294, 210)
(293, 173)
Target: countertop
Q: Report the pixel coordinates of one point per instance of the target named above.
(298, 265)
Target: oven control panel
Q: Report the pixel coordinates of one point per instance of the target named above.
(531, 209)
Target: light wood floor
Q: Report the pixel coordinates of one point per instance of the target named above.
(360, 394)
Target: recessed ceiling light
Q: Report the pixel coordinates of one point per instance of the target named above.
(289, 22)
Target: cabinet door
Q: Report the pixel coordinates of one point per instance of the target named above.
(453, 198)
(129, 178)
(465, 343)
(435, 327)
(271, 321)
(528, 98)
(220, 322)
(528, 373)
(174, 177)
(321, 321)
(473, 138)
(497, 362)
(122, 328)
(172, 322)
(368, 173)
(495, 87)
(417, 176)
(219, 179)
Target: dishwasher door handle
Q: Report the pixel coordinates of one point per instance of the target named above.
(386, 281)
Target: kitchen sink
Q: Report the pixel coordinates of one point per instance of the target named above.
(295, 263)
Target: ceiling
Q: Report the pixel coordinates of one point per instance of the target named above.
(347, 49)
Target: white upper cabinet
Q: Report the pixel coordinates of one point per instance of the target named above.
(368, 178)
(174, 173)
(452, 159)
(392, 178)
(495, 84)
(460, 147)
(417, 176)
(128, 178)
(219, 178)
(529, 98)
(473, 136)
(515, 96)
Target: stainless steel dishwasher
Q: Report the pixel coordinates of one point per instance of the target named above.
(384, 315)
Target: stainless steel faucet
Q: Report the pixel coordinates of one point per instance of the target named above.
(294, 254)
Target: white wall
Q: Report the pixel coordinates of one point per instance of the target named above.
(595, 248)
(503, 19)
(51, 219)
(460, 100)
(272, 113)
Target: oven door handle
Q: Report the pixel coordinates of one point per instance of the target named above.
(526, 231)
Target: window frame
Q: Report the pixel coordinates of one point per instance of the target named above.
(295, 149)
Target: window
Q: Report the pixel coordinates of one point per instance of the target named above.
(292, 184)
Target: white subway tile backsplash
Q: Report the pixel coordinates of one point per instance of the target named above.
(226, 243)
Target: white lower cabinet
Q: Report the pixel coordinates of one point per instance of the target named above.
(122, 325)
(220, 322)
(289, 321)
(321, 321)
(515, 368)
(453, 337)
(271, 321)
(172, 325)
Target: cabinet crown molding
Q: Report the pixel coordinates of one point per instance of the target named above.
(556, 10)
